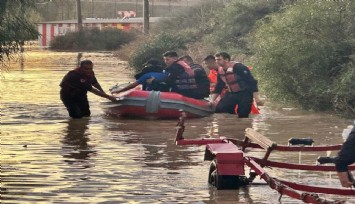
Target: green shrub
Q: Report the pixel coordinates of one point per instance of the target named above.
(93, 39)
(302, 53)
(15, 28)
(232, 23)
(156, 46)
(223, 26)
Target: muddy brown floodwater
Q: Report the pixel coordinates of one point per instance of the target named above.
(48, 158)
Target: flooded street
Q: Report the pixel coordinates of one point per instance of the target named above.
(46, 157)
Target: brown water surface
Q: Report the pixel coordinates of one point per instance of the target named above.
(48, 158)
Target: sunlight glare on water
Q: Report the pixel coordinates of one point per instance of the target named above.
(48, 158)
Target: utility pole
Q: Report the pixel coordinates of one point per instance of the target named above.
(80, 23)
(92, 8)
(145, 16)
(115, 12)
(170, 7)
(80, 20)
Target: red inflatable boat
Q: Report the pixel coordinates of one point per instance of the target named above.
(155, 104)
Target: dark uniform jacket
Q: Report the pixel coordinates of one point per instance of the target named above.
(76, 84)
(175, 71)
(202, 81)
(346, 155)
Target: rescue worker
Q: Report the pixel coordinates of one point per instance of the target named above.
(202, 81)
(346, 156)
(242, 87)
(180, 79)
(74, 87)
(210, 63)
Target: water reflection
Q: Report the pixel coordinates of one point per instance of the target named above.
(157, 140)
(76, 149)
(242, 195)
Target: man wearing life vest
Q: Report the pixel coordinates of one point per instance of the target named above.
(202, 81)
(74, 88)
(180, 79)
(242, 87)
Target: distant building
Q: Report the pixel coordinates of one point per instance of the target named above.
(50, 29)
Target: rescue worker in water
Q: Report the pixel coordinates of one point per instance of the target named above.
(346, 156)
(74, 88)
(242, 87)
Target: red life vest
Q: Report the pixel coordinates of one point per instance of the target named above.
(230, 78)
(187, 79)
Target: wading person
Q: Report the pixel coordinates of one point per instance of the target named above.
(74, 88)
(242, 87)
(346, 156)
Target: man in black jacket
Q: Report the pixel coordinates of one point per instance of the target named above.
(74, 88)
(346, 156)
(242, 87)
(202, 81)
(180, 77)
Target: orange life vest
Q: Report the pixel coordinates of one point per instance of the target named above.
(231, 79)
(212, 76)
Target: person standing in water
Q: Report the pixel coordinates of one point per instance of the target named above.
(346, 156)
(74, 87)
(242, 87)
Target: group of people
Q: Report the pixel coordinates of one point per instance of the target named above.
(231, 79)
(181, 75)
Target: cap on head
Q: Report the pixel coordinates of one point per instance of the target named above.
(153, 62)
(152, 65)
